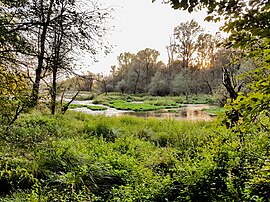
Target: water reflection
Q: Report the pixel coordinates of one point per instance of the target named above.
(187, 113)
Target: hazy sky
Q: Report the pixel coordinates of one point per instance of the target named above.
(141, 24)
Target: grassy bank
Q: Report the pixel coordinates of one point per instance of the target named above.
(80, 157)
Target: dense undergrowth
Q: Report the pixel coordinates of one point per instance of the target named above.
(79, 157)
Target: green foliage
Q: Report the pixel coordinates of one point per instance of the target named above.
(247, 22)
(214, 110)
(14, 95)
(12, 177)
(159, 85)
(85, 97)
(253, 107)
(78, 157)
(96, 108)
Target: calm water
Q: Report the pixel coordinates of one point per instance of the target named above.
(188, 112)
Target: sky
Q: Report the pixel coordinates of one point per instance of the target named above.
(140, 24)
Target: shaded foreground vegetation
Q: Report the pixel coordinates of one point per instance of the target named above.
(78, 157)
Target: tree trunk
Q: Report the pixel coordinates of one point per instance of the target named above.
(136, 83)
(228, 84)
(53, 93)
(38, 77)
(209, 86)
(65, 107)
(56, 62)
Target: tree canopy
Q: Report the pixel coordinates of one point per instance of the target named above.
(248, 23)
(41, 38)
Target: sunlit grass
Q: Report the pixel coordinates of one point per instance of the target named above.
(80, 157)
(149, 103)
(214, 110)
(123, 105)
(92, 107)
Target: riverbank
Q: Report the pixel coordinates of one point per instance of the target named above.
(174, 107)
(193, 112)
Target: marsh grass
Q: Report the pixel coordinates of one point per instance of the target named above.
(79, 157)
(149, 103)
(124, 105)
(94, 108)
(215, 110)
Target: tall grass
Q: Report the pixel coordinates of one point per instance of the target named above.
(79, 157)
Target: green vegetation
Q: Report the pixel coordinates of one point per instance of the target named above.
(149, 103)
(143, 103)
(154, 100)
(172, 110)
(94, 108)
(214, 110)
(85, 96)
(73, 106)
(78, 157)
(118, 104)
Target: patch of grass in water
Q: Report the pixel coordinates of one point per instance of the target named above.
(149, 103)
(123, 105)
(200, 99)
(215, 110)
(74, 106)
(96, 108)
(172, 111)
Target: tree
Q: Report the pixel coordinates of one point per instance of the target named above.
(11, 41)
(113, 75)
(56, 30)
(136, 70)
(181, 84)
(185, 38)
(148, 58)
(206, 47)
(253, 108)
(249, 27)
(14, 95)
(104, 83)
(15, 82)
(159, 85)
(87, 82)
(125, 60)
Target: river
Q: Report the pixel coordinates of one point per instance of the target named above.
(187, 112)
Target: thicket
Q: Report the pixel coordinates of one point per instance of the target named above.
(79, 157)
